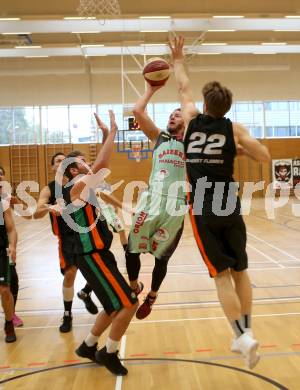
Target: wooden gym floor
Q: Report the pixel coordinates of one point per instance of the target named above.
(184, 344)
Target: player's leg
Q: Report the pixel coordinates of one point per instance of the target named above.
(236, 238)
(212, 240)
(68, 295)
(6, 297)
(119, 302)
(85, 295)
(163, 242)
(14, 288)
(133, 266)
(244, 291)
(138, 242)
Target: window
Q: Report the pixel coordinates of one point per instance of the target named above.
(250, 114)
(83, 124)
(55, 125)
(6, 125)
(76, 123)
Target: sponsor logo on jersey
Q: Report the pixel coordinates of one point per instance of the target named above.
(174, 152)
(143, 245)
(140, 221)
(154, 245)
(162, 235)
(163, 173)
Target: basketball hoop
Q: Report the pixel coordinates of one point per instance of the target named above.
(88, 8)
(136, 151)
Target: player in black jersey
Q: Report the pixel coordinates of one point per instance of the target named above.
(8, 244)
(14, 279)
(47, 199)
(88, 241)
(211, 144)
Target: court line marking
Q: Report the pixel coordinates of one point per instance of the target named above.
(119, 380)
(164, 360)
(274, 247)
(204, 272)
(160, 306)
(168, 320)
(266, 256)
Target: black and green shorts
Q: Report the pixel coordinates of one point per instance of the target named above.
(5, 274)
(101, 272)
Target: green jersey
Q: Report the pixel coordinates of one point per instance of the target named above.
(168, 167)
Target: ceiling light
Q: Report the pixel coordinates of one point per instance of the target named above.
(155, 17)
(292, 16)
(221, 30)
(95, 45)
(16, 33)
(228, 16)
(153, 31)
(287, 30)
(36, 57)
(214, 44)
(153, 44)
(28, 47)
(80, 18)
(5, 19)
(264, 52)
(95, 55)
(273, 43)
(85, 32)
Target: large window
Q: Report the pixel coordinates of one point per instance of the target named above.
(19, 125)
(82, 124)
(250, 114)
(282, 119)
(76, 123)
(55, 125)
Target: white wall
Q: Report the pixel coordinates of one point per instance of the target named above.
(66, 80)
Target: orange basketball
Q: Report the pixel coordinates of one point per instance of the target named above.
(156, 71)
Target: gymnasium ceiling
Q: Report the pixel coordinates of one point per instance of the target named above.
(256, 26)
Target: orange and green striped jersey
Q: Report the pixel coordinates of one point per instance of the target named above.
(89, 231)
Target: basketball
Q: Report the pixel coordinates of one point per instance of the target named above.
(156, 71)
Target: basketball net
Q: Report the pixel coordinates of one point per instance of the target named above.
(88, 8)
(136, 152)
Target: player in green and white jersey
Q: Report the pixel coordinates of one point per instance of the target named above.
(158, 222)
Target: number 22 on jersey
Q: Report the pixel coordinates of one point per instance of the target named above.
(200, 143)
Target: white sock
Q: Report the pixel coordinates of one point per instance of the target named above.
(68, 293)
(111, 345)
(91, 340)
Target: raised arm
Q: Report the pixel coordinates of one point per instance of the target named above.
(188, 106)
(42, 203)
(251, 146)
(141, 116)
(102, 161)
(12, 234)
(102, 126)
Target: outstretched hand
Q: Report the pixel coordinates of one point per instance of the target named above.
(177, 48)
(101, 124)
(113, 123)
(154, 88)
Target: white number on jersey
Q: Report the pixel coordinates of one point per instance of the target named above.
(213, 144)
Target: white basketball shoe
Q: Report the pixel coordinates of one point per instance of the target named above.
(247, 346)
